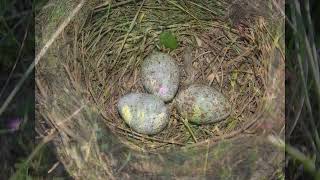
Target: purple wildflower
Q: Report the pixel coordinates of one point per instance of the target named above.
(14, 124)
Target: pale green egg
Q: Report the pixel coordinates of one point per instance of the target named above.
(160, 75)
(144, 113)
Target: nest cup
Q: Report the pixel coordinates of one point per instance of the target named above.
(97, 59)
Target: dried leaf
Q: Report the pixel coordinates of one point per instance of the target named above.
(199, 41)
(211, 77)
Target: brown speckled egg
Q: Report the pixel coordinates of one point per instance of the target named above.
(202, 104)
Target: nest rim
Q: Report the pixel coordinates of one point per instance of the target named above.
(223, 28)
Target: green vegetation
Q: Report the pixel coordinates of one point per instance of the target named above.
(168, 40)
(21, 157)
(303, 90)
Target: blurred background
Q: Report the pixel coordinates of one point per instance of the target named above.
(302, 90)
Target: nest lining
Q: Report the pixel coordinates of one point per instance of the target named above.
(116, 41)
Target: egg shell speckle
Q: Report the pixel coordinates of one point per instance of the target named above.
(202, 104)
(160, 75)
(144, 113)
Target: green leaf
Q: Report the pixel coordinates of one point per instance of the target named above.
(168, 40)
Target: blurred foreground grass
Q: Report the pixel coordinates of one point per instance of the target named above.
(20, 156)
(302, 90)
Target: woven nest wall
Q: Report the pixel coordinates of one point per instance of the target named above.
(236, 47)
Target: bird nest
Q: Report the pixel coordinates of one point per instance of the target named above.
(236, 47)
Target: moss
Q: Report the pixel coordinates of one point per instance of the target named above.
(225, 173)
(197, 113)
(220, 149)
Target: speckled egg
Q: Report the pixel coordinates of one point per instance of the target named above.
(160, 75)
(202, 104)
(144, 113)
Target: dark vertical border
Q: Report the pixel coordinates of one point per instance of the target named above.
(16, 55)
(18, 137)
(300, 130)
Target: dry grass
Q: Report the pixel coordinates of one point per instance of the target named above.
(114, 42)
